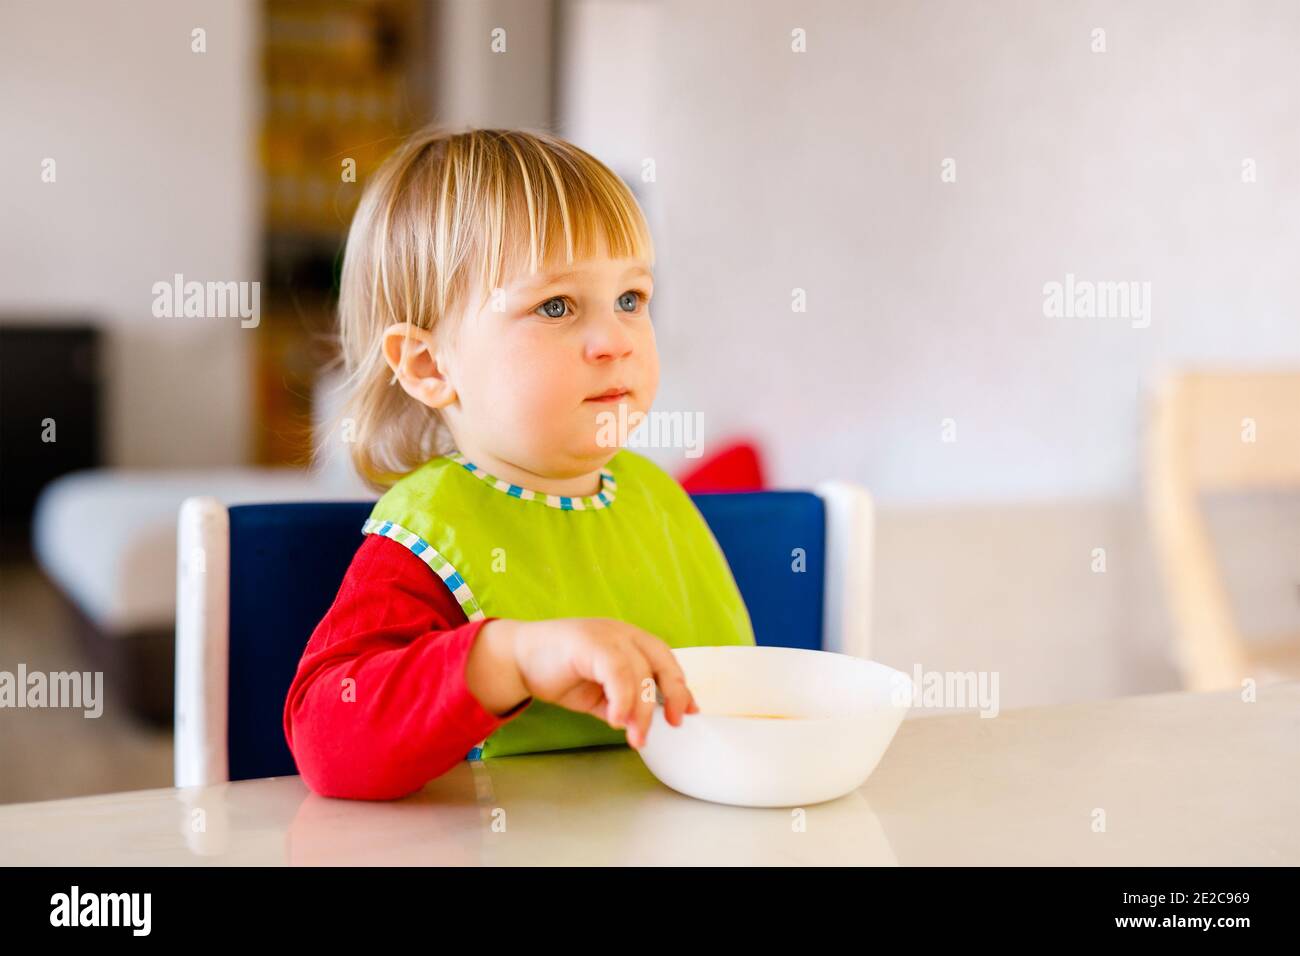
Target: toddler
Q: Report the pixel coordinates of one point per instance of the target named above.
(521, 580)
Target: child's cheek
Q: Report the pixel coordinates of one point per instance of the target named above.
(651, 370)
(536, 375)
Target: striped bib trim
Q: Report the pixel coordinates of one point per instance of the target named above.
(602, 499)
(430, 556)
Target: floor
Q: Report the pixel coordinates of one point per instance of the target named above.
(50, 753)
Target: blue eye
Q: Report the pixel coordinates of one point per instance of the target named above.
(630, 300)
(548, 308)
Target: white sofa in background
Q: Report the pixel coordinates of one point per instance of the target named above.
(107, 538)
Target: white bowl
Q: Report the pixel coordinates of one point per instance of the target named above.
(847, 709)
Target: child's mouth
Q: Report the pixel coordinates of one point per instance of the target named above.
(612, 395)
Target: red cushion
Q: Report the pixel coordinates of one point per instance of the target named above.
(735, 467)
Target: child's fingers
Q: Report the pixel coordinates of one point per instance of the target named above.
(643, 704)
(668, 675)
(625, 674)
(615, 671)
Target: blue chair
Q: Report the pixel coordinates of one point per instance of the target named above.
(240, 635)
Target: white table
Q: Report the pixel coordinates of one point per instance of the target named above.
(1181, 779)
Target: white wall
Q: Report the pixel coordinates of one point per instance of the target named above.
(155, 161)
(481, 78)
(821, 171)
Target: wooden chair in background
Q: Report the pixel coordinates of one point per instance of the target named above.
(1213, 432)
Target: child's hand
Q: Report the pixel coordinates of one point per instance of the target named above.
(596, 666)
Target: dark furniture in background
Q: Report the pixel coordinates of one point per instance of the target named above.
(49, 386)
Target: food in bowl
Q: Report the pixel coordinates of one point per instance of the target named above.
(764, 716)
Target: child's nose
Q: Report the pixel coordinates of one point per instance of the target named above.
(609, 339)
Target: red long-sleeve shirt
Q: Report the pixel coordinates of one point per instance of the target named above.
(400, 635)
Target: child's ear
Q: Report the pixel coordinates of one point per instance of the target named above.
(411, 354)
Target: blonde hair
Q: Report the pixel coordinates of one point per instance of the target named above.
(446, 217)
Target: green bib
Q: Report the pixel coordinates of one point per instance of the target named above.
(638, 551)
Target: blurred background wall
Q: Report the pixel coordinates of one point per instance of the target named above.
(156, 174)
(775, 171)
(822, 171)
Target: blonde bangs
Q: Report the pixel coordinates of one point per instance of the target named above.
(551, 205)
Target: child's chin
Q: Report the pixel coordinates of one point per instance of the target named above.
(596, 450)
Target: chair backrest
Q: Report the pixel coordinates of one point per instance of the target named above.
(287, 561)
(1213, 432)
(1234, 430)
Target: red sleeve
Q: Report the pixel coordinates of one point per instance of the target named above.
(401, 636)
